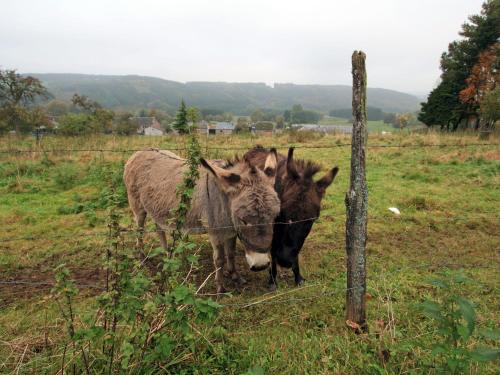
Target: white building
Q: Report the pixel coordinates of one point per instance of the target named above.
(148, 126)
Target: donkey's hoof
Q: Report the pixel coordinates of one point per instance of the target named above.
(271, 287)
(221, 290)
(300, 282)
(240, 280)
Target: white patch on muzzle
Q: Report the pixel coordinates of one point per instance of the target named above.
(257, 261)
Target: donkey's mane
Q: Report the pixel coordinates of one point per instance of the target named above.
(305, 168)
(228, 163)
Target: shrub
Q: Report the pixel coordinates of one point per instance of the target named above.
(147, 321)
(455, 319)
(76, 124)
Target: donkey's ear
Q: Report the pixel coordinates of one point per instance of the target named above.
(326, 180)
(226, 177)
(290, 165)
(271, 163)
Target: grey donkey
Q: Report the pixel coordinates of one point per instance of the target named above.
(231, 200)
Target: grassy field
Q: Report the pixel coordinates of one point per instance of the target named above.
(448, 197)
(373, 126)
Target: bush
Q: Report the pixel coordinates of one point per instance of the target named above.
(455, 318)
(76, 124)
(147, 321)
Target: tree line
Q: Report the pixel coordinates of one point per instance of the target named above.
(468, 95)
(26, 105)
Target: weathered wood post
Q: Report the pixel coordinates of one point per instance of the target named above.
(356, 201)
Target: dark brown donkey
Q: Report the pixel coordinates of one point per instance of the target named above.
(300, 198)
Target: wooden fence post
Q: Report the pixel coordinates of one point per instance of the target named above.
(357, 202)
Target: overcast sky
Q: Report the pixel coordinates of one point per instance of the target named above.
(306, 41)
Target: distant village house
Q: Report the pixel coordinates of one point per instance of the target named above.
(205, 127)
(148, 126)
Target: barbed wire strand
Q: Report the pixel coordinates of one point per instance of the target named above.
(272, 297)
(205, 229)
(241, 148)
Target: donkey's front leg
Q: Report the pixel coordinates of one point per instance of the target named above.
(273, 275)
(299, 280)
(230, 249)
(219, 265)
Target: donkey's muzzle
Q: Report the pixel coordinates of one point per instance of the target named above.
(257, 261)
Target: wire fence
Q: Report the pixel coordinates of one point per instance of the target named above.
(275, 298)
(205, 229)
(242, 148)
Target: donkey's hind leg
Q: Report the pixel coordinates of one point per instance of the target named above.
(163, 239)
(230, 249)
(140, 219)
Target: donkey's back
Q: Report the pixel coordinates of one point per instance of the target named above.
(147, 188)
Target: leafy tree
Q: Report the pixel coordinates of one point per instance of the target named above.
(287, 115)
(160, 115)
(124, 124)
(300, 116)
(241, 125)
(482, 80)
(280, 122)
(390, 118)
(403, 120)
(57, 107)
(102, 119)
(17, 93)
(38, 117)
(443, 106)
(181, 119)
(76, 124)
(193, 115)
(227, 117)
(85, 103)
(490, 108)
(257, 115)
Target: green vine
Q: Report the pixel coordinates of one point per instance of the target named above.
(142, 324)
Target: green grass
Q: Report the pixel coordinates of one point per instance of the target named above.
(449, 199)
(373, 126)
(380, 126)
(329, 120)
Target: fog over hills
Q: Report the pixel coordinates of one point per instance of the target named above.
(134, 92)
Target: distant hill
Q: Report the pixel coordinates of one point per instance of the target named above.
(135, 92)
